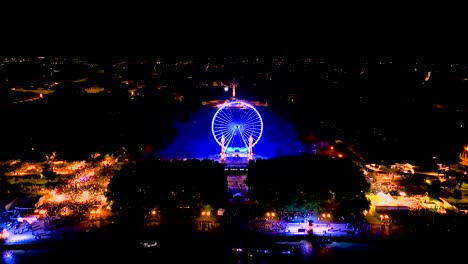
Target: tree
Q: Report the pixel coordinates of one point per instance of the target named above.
(457, 194)
(350, 188)
(124, 192)
(434, 189)
(459, 177)
(139, 187)
(7, 190)
(302, 183)
(413, 184)
(48, 173)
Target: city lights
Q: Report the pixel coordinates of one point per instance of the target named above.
(206, 213)
(270, 214)
(326, 216)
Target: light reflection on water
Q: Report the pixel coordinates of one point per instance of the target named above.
(21, 256)
(332, 253)
(8, 257)
(181, 255)
(304, 254)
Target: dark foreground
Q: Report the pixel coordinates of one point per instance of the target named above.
(179, 246)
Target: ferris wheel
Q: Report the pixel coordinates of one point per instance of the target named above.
(236, 125)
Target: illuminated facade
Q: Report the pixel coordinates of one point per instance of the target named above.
(464, 156)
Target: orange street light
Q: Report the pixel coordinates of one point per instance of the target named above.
(206, 213)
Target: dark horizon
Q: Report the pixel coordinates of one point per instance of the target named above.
(172, 49)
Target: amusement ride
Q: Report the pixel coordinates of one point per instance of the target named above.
(237, 127)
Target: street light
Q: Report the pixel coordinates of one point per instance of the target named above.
(206, 213)
(326, 215)
(270, 214)
(382, 217)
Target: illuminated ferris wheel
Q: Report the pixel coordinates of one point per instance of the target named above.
(237, 126)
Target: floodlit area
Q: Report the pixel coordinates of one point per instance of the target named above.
(81, 196)
(82, 182)
(386, 200)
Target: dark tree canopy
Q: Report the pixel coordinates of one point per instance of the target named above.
(309, 182)
(48, 173)
(166, 185)
(7, 190)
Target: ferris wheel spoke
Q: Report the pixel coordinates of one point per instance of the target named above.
(229, 140)
(254, 130)
(249, 133)
(255, 134)
(226, 132)
(229, 134)
(223, 123)
(241, 114)
(245, 115)
(253, 127)
(249, 121)
(238, 134)
(245, 140)
(220, 130)
(225, 119)
(252, 117)
(232, 115)
(218, 138)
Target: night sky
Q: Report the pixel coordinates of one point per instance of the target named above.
(228, 28)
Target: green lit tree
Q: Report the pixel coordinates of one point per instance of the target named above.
(457, 194)
(302, 183)
(48, 173)
(434, 189)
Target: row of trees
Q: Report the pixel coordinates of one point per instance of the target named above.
(167, 186)
(299, 183)
(307, 183)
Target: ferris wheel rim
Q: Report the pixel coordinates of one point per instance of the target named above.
(256, 130)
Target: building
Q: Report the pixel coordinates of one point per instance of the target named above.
(464, 156)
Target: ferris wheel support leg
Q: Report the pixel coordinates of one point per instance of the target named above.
(223, 154)
(250, 148)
